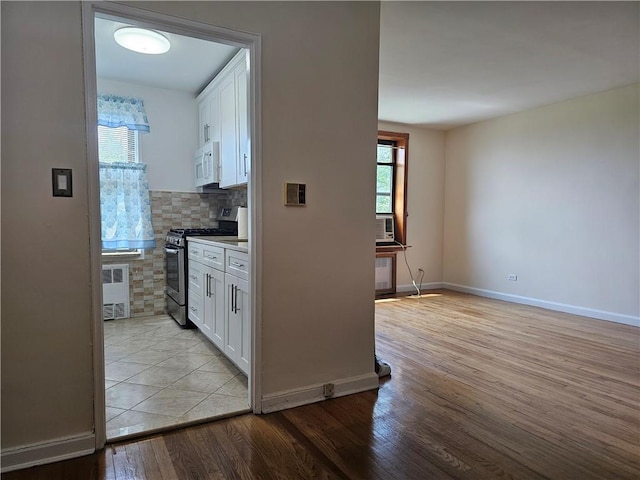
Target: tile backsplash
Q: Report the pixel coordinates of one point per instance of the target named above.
(171, 210)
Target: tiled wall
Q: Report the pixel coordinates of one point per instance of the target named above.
(171, 210)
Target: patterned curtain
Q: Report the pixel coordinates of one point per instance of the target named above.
(117, 111)
(125, 207)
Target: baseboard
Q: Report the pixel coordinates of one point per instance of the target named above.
(313, 393)
(423, 287)
(559, 307)
(47, 452)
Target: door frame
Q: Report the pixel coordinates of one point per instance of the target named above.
(180, 26)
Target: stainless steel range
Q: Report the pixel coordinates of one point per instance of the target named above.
(176, 265)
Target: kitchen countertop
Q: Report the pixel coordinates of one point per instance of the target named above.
(226, 242)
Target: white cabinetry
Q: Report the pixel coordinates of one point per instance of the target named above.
(206, 291)
(218, 299)
(237, 319)
(224, 120)
(208, 116)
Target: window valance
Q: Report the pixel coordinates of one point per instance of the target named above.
(118, 111)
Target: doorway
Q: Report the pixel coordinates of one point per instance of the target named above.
(146, 364)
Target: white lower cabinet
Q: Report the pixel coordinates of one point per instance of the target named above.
(195, 309)
(237, 320)
(214, 324)
(218, 302)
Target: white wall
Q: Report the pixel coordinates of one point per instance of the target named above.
(425, 205)
(47, 379)
(317, 313)
(551, 195)
(169, 147)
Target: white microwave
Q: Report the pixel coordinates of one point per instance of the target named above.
(385, 231)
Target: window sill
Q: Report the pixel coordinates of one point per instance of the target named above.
(138, 255)
(391, 248)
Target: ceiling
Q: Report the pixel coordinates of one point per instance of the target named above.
(444, 64)
(188, 66)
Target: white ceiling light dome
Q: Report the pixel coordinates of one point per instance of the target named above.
(142, 40)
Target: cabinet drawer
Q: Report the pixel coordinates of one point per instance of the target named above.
(195, 308)
(237, 263)
(194, 251)
(213, 256)
(194, 277)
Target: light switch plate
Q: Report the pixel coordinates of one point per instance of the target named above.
(295, 194)
(62, 182)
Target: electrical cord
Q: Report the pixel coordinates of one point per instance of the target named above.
(413, 281)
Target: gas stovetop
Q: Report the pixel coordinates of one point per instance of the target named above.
(176, 236)
(192, 232)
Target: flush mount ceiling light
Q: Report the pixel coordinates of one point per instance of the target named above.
(141, 40)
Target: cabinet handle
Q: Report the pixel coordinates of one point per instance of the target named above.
(236, 264)
(193, 309)
(208, 285)
(235, 294)
(232, 304)
(206, 132)
(245, 164)
(193, 276)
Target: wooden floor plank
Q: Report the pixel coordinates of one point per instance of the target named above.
(480, 389)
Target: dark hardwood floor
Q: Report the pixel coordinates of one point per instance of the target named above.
(480, 389)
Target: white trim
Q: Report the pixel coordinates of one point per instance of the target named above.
(424, 287)
(95, 240)
(205, 31)
(559, 307)
(254, 185)
(313, 393)
(40, 453)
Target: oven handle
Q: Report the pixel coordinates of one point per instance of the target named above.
(172, 251)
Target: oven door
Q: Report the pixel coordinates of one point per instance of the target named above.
(174, 266)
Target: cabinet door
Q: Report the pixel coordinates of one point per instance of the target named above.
(228, 132)
(204, 122)
(244, 356)
(242, 114)
(214, 320)
(214, 114)
(195, 306)
(238, 335)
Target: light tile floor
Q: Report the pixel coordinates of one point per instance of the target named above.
(159, 375)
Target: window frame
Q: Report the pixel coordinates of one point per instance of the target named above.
(392, 164)
(133, 136)
(399, 190)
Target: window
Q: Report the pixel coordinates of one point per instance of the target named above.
(385, 172)
(118, 145)
(391, 185)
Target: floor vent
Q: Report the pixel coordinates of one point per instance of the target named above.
(115, 291)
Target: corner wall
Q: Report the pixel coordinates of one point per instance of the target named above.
(317, 315)
(550, 195)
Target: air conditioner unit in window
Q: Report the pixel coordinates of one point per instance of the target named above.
(115, 291)
(385, 231)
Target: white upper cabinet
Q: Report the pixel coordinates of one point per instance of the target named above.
(224, 121)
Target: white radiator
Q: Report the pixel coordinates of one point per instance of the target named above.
(384, 273)
(115, 291)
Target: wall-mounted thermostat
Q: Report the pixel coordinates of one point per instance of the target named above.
(295, 194)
